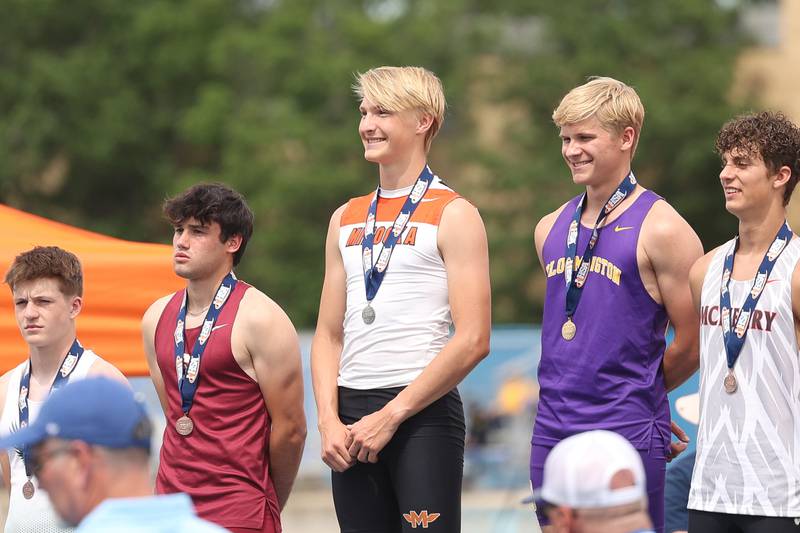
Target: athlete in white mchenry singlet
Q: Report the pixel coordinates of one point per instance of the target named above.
(47, 287)
(747, 472)
(748, 443)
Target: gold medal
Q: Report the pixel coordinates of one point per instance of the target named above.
(568, 330)
(730, 382)
(28, 490)
(184, 426)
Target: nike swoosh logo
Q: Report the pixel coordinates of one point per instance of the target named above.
(428, 200)
(622, 228)
(215, 328)
(771, 281)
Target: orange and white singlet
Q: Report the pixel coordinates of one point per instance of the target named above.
(412, 309)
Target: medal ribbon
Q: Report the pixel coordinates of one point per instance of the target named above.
(575, 278)
(734, 334)
(188, 366)
(69, 364)
(374, 271)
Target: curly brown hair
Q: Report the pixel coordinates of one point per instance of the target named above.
(770, 135)
(48, 262)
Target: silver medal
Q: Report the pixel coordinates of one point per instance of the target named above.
(368, 314)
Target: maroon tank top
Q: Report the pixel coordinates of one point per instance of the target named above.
(224, 463)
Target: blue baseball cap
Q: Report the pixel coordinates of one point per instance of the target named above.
(97, 410)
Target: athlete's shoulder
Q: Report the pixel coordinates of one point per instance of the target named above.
(156, 308)
(259, 315)
(5, 381)
(700, 267)
(101, 367)
(458, 207)
(546, 223)
(355, 210)
(152, 316)
(663, 223)
(256, 308)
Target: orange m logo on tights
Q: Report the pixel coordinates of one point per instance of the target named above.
(420, 519)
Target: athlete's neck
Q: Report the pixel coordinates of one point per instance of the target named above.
(201, 291)
(46, 360)
(402, 173)
(598, 195)
(756, 233)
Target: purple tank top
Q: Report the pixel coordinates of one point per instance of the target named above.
(609, 376)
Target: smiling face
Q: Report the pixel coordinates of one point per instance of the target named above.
(595, 155)
(391, 136)
(45, 316)
(747, 182)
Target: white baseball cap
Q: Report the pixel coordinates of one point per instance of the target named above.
(579, 469)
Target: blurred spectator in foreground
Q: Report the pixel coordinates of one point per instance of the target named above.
(90, 449)
(595, 482)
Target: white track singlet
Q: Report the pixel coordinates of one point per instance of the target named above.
(35, 515)
(748, 442)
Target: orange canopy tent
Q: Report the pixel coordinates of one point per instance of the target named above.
(120, 280)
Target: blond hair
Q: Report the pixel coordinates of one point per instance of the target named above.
(614, 104)
(404, 88)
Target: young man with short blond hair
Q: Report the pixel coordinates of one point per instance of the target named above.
(617, 261)
(384, 366)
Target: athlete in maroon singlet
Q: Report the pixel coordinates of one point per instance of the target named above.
(240, 456)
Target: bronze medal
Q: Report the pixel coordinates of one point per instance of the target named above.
(730, 382)
(184, 426)
(368, 315)
(28, 490)
(568, 330)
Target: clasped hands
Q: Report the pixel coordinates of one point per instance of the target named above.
(343, 445)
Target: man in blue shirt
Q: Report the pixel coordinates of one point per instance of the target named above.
(90, 449)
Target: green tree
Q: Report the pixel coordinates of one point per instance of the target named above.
(680, 58)
(107, 107)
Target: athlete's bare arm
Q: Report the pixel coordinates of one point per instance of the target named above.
(463, 245)
(542, 230)
(4, 464)
(271, 341)
(149, 323)
(697, 275)
(668, 249)
(326, 350)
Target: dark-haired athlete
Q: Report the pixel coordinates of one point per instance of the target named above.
(225, 361)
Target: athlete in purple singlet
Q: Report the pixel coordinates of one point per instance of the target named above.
(612, 291)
